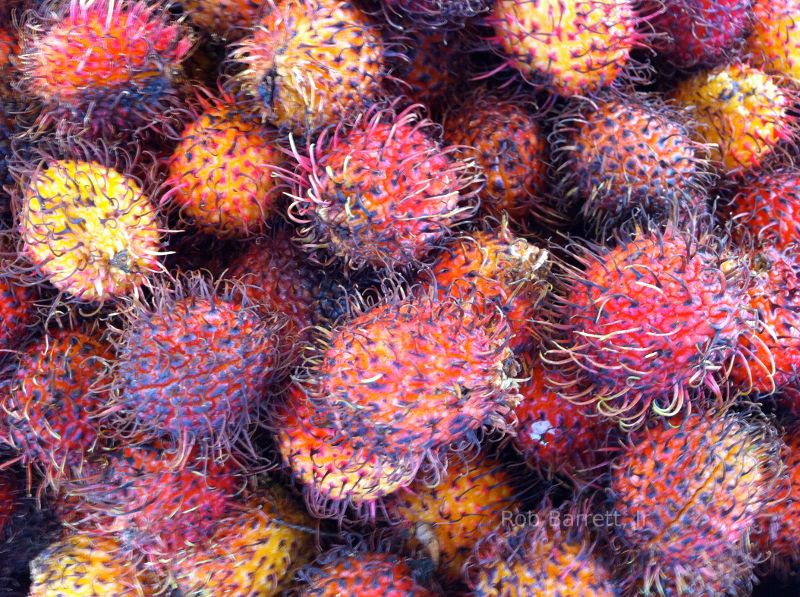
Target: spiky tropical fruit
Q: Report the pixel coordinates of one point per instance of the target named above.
(107, 66)
(411, 376)
(507, 141)
(574, 47)
(366, 574)
(436, 14)
(91, 231)
(7, 131)
(229, 19)
(384, 193)
(18, 314)
(773, 43)
(86, 566)
(740, 111)
(334, 472)
(192, 364)
(8, 50)
(498, 267)
(648, 320)
(693, 32)
(311, 63)
(446, 520)
(222, 171)
(620, 156)
(52, 412)
(760, 198)
(551, 554)
(253, 552)
(685, 496)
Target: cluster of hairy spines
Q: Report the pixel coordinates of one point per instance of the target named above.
(739, 110)
(774, 44)
(86, 566)
(551, 554)
(437, 14)
(9, 47)
(686, 495)
(230, 19)
(52, 413)
(414, 375)
(91, 231)
(446, 520)
(648, 320)
(311, 63)
(500, 268)
(575, 47)
(193, 364)
(697, 32)
(507, 142)
(366, 574)
(18, 313)
(629, 155)
(222, 172)
(106, 65)
(384, 192)
(755, 206)
(9, 495)
(334, 471)
(253, 552)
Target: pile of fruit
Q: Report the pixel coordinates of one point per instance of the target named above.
(399, 297)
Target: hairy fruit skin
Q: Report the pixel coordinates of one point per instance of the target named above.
(575, 47)
(104, 65)
(383, 193)
(774, 45)
(229, 19)
(65, 220)
(436, 14)
(311, 63)
(755, 206)
(739, 110)
(17, 310)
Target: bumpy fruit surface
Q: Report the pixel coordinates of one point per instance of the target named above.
(9, 48)
(86, 566)
(384, 193)
(686, 496)
(508, 143)
(229, 19)
(774, 45)
(650, 319)
(311, 63)
(253, 552)
(17, 310)
(90, 230)
(104, 65)
(573, 46)
(769, 193)
(739, 110)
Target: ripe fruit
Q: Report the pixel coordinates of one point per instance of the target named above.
(508, 143)
(446, 520)
(253, 552)
(686, 495)
(52, 412)
(86, 566)
(753, 209)
(575, 47)
(436, 14)
(773, 44)
(550, 555)
(91, 231)
(334, 472)
(500, 268)
(229, 19)
(382, 194)
(107, 66)
(629, 156)
(9, 48)
(648, 320)
(310, 63)
(18, 314)
(693, 32)
(740, 111)
(222, 173)
(364, 574)
(193, 364)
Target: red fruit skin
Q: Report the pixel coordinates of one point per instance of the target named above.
(17, 312)
(8, 499)
(754, 208)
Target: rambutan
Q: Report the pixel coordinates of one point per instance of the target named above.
(253, 552)
(446, 519)
(773, 44)
(228, 19)
(383, 193)
(574, 47)
(436, 14)
(501, 268)
(507, 142)
(9, 47)
(222, 171)
(89, 230)
(631, 155)
(648, 320)
(107, 66)
(311, 63)
(740, 111)
(18, 314)
(685, 496)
